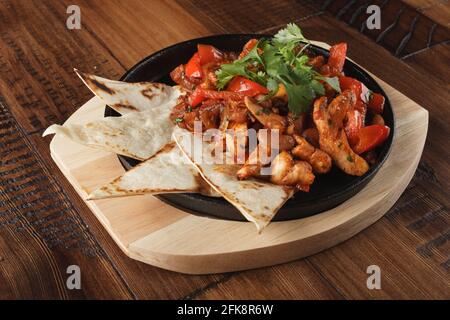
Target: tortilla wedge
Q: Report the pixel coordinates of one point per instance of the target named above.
(258, 201)
(138, 135)
(167, 171)
(143, 132)
(127, 97)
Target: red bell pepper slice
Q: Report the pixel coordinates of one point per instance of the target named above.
(248, 47)
(193, 68)
(196, 97)
(355, 122)
(336, 59)
(201, 94)
(371, 137)
(246, 87)
(208, 53)
(376, 103)
(358, 88)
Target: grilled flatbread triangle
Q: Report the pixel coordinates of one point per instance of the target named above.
(138, 135)
(168, 171)
(258, 201)
(127, 97)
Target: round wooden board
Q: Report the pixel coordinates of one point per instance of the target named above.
(155, 233)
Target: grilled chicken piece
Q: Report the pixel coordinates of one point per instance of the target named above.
(254, 163)
(286, 171)
(319, 160)
(236, 138)
(265, 116)
(285, 142)
(332, 138)
(259, 157)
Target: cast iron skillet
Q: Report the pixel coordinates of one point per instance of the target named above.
(327, 191)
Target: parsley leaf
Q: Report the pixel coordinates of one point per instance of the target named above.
(273, 86)
(290, 34)
(240, 68)
(333, 81)
(228, 71)
(253, 55)
(317, 87)
(299, 97)
(282, 61)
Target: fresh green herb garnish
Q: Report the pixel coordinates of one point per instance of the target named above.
(228, 71)
(332, 81)
(266, 110)
(177, 120)
(282, 61)
(291, 33)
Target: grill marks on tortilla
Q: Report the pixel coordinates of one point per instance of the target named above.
(166, 172)
(93, 82)
(149, 93)
(138, 135)
(258, 201)
(143, 131)
(122, 106)
(127, 97)
(227, 169)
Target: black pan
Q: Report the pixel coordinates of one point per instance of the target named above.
(327, 191)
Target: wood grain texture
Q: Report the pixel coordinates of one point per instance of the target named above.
(436, 10)
(246, 16)
(38, 87)
(37, 221)
(404, 30)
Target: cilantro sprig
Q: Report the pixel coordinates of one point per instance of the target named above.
(281, 60)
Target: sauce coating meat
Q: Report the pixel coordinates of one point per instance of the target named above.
(320, 117)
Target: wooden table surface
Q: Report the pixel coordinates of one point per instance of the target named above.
(45, 226)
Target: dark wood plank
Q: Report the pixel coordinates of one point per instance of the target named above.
(41, 233)
(410, 245)
(133, 29)
(246, 16)
(433, 61)
(45, 226)
(404, 30)
(296, 280)
(436, 10)
(37, 57)
(40, 88)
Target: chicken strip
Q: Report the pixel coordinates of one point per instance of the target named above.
(260, 156)
(267, 118)
(319, 160)
(285, 142)
(254, 163)
(286, 171)
(332, 138)
(236, 138)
